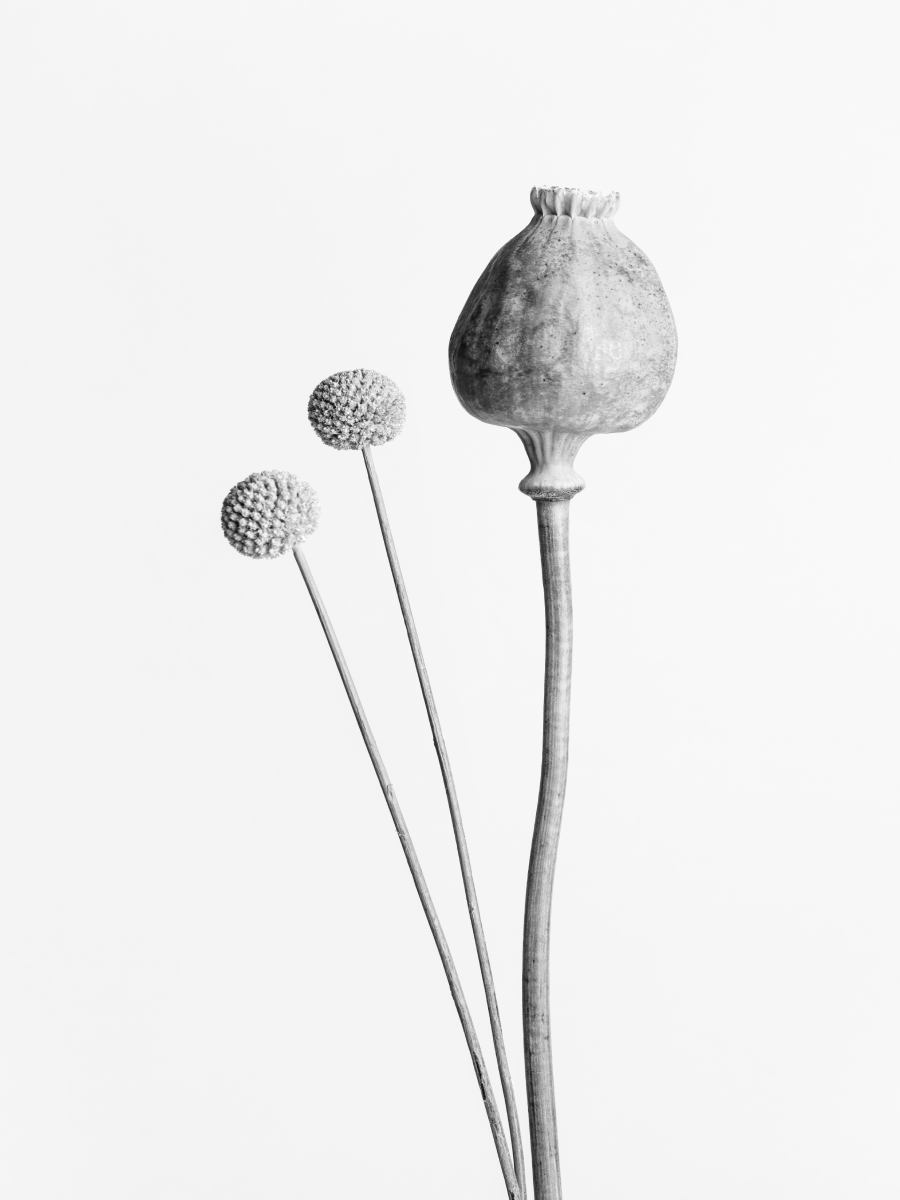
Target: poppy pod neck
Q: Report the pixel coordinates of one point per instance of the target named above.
(551, 453)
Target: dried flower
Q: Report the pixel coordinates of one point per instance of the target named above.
(357, 408)
(268, 513)
(567, 333)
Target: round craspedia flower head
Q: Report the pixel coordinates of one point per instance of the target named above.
(357, 408)
(269, 512)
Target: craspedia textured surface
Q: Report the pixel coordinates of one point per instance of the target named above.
(269, 512)
(353, 409)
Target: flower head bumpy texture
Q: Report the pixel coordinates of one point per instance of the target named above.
(357, 408)
(268, 513)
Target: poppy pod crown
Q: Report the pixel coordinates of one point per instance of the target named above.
(567, 333)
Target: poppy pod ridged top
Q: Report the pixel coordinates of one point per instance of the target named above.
(567, 333)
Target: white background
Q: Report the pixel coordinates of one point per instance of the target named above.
(215, 979)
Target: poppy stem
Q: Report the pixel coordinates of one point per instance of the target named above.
(553, 533)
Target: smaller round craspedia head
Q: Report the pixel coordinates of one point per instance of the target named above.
(357, 408)
(269, 512)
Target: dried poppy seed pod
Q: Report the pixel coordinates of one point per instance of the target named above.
(269, 513)
(567, 333)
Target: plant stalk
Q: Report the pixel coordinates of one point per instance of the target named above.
(462, 850)
(440, 940)
(553, 533)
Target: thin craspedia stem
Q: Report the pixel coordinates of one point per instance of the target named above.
(462, 849)
(553, 533)
(459, 1000)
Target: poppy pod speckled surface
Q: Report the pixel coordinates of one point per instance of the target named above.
(567, 333)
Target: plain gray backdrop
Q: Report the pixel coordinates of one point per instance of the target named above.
(216, 983)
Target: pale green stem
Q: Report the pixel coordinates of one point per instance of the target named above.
(456, 820)
(459, 1000)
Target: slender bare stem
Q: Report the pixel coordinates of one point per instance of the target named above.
(462, 849)
(553, 532)
(434, 924)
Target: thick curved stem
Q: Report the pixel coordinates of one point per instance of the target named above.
(440, 940)
(456, 821)
(553, 531)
